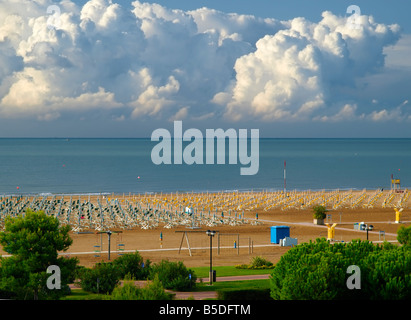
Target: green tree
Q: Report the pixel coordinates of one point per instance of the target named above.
(34, 241)
(319, 212)
(318, 271)
(404, 235)
(388, 274)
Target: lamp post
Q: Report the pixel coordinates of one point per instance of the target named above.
(109, 238)
(211, 234)
(109, 233)
(367, 228)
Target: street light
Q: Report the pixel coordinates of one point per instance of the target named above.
(211, 234)
(109, 233)
(367, 228)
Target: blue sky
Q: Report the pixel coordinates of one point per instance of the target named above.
(123, 69)
(395, 11)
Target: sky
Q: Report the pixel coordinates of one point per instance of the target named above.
(123, 68)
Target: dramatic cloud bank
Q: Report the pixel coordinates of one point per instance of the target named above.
(146, 60)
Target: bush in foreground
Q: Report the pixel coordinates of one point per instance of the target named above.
(318, 271)
(174, 275)
(153, 290)
(102, 278)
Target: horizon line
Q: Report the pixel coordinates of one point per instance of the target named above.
(302, 138)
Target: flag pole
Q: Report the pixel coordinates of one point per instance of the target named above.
(284, 177)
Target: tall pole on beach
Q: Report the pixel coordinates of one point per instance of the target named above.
(284, 177)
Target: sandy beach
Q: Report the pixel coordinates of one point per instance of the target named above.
(172, 226)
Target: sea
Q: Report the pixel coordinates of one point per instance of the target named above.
(52, 166)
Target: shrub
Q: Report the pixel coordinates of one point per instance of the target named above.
(78, 271)
(155, 291)
(256, 263)
(129, 291)
(131, 264)
(174, 275)
(260, 262)
(102, 278)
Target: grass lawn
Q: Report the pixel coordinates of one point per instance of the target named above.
(225, 271)
(80, 294)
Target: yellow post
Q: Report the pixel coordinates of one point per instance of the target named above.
(331, 231)
(398, 215)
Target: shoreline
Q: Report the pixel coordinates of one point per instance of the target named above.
(221, 191)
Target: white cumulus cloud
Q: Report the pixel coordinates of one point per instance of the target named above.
(141, 60)
(298, 72)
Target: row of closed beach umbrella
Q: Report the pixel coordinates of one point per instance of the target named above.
(102, 212)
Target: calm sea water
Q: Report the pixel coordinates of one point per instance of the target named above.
(87, 166)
